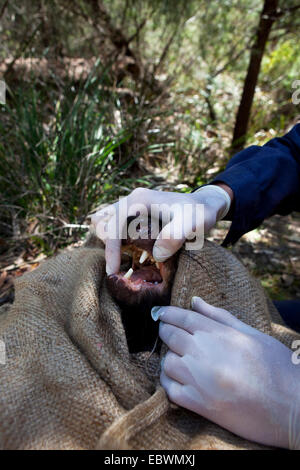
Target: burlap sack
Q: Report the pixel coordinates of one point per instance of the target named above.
(69, 381)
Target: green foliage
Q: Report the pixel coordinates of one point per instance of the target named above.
(68, 145)
(57, 166)
(282, 63)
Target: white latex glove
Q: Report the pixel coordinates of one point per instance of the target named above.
(230, 373)
(215, 199)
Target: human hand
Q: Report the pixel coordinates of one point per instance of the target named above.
(230, 373)
(216, 204)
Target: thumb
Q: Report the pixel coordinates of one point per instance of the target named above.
(112, 256)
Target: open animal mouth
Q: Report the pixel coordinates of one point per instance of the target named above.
(143, 271)
(141, 278)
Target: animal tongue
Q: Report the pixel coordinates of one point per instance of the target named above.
(147, 273)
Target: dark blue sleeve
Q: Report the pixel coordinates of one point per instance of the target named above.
(265, 181)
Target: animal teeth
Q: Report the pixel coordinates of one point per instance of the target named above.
(143, 257)
(157, 265)
(128, 274)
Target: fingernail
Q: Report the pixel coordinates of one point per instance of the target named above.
(194, 301)
(160, 253)
(109, 271)
(162, 362)
(156, 313)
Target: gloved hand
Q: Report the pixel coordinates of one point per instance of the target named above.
(216, 203)
(230, 373)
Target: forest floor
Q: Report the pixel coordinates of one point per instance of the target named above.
(271, 253)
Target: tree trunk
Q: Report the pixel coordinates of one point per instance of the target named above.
(267, 17)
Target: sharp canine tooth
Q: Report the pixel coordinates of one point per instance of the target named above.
(157, 265)
(143, 257)
(128, 274)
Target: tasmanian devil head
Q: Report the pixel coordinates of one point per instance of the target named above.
(142, 280)
(141, 283)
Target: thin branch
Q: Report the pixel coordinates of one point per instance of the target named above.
(124, 12)
(229, 62)
(85, 227)
(2, 11)
(54, 229)
(21, 51)
(165, 51)
(288, 10)
(138, 30)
